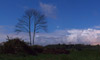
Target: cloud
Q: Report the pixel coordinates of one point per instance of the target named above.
(9, 31)
(74, 36)
(97, 27)
(87, 36)
(48, 9)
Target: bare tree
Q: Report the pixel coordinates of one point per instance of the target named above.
(32, 21)
(39, 23)
(24, 24)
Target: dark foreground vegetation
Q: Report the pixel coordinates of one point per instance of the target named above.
(74, 55)
(17, 49)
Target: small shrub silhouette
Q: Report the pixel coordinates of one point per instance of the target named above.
(16, 46)
(37, 48)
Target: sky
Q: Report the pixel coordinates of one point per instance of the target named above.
(69, 21)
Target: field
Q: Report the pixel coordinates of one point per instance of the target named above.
(74, 55)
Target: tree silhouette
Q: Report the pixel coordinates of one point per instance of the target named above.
(32, 21)
(39, 23)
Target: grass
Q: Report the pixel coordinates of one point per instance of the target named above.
(74, 55)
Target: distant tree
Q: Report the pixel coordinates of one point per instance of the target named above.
(32, 19)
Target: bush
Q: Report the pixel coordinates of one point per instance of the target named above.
(37, 48)
(56, 51)
(58, 46)
(16, 46)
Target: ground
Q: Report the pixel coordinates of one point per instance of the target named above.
(74, 55)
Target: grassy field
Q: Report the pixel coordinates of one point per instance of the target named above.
(74, 55)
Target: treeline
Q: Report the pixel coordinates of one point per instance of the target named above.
(74, 46)
(19, 47)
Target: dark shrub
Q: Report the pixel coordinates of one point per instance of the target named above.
(16, 46)
(58, 46)
(1, 48)
(56, 51)
(37, 48)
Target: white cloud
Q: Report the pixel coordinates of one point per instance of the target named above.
(75, 36)
(8, 31)
(3, 36)
(96, 26)
(48, 9)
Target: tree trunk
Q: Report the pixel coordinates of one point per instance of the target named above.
(29, 30)
(30, 37)
(33, 36)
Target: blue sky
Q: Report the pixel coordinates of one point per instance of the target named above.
(62, 15)
(69, 14)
